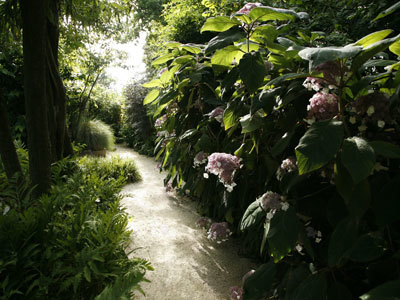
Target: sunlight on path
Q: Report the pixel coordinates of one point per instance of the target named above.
(187, 266)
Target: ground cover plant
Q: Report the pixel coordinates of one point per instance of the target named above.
(292, 142)
(70, 243)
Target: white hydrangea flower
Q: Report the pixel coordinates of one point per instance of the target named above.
(370, 110)
(352, 120)
(381, 123)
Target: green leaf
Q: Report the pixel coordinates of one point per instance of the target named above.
(163, 59)
(357, 197)
(366, 248)
(219, 24)
(267, 13)
(358, 157)
(289, 76)
(260, 282)
(395, 48)
(373, 38)
(151, 96)
(370, 51)
(283, 233)
(386, 204)
(86, 273)
(230, 117)
(153, 83)
(338, 290)
(266, 100)
(224, 39)
(317, 56)
(312, 288)
(225, 56)
(319, 145)
(388, 291)
(192, 48)
(282, 143)
(181, 60)
(251, 122)
(230, 78)
(253, 215)
(385, 149)
(267, 32)
(252, 70)
(341, 241)
(388, 11)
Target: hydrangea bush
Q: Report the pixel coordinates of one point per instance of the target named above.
(311, 128)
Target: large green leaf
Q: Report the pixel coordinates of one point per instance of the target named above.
(219, 24)
(358, 157)
(319, 145)
(265, 32)
(230, 116)
(370, 51)
(192, 48)
(395, 48)
(341, 241)
(225, 56)
(317, 56)
(312, 288)
(388, 11)
(338, 291)
(373, 38)
(388, 291)
(283, 233)
(224, 39)
(367, 248)
(385, 149)
(257, 284)
(250, 122)
(267, 13)
(266, 100)
(282, 144)
(289, 76)
(357, 197)
(153, 83)
(252, 70)
(253, 214)
(163, 59)
(151, 96)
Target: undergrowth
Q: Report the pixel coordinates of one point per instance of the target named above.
(71, 243)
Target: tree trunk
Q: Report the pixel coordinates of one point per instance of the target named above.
(35, 70)
(8, 153)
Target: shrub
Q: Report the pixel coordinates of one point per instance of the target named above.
(71, 243)
(96, 135)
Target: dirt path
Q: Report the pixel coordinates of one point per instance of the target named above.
(187, 265)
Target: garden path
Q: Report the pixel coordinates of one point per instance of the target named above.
(187, 265)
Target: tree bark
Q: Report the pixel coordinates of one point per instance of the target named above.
(34, 23)
(8, 153)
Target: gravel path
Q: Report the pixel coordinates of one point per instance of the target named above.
(187, 265)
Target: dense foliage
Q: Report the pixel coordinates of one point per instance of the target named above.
(72, 242)
(293, 141)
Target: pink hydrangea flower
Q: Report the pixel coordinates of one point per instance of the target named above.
(289, 164)
(217, 114)
(236, 293)
(199, 159)
(322, 107)
(219, 232)
(248, 7)
(271, 201)
(160, 121)
(331, 71)
(224, 166)
(204, 223)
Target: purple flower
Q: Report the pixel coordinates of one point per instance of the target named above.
(217, 114)
(331, 71)
(219, 232)
(236, 293)
(160, 121)
(248, 7)
(289, 164)
(203, 222)
(322, 107)
(199, 159)
(271, 201)
(224, 166)
(162, 71)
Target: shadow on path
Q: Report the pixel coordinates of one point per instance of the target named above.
(187, 265)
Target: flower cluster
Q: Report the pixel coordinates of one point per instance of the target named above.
(288, 165)
(331, 71)
(314, 234)
(224, 166)
(372, 108)
(199, 159)
(322, 107)
(236, 292)
(204, 223)
(217, 114)
(219, 232)
(248, 7)
(160, 121)
(272, 202)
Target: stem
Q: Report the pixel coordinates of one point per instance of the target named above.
(340, 100)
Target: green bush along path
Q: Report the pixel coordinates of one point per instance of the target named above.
(187, 265)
